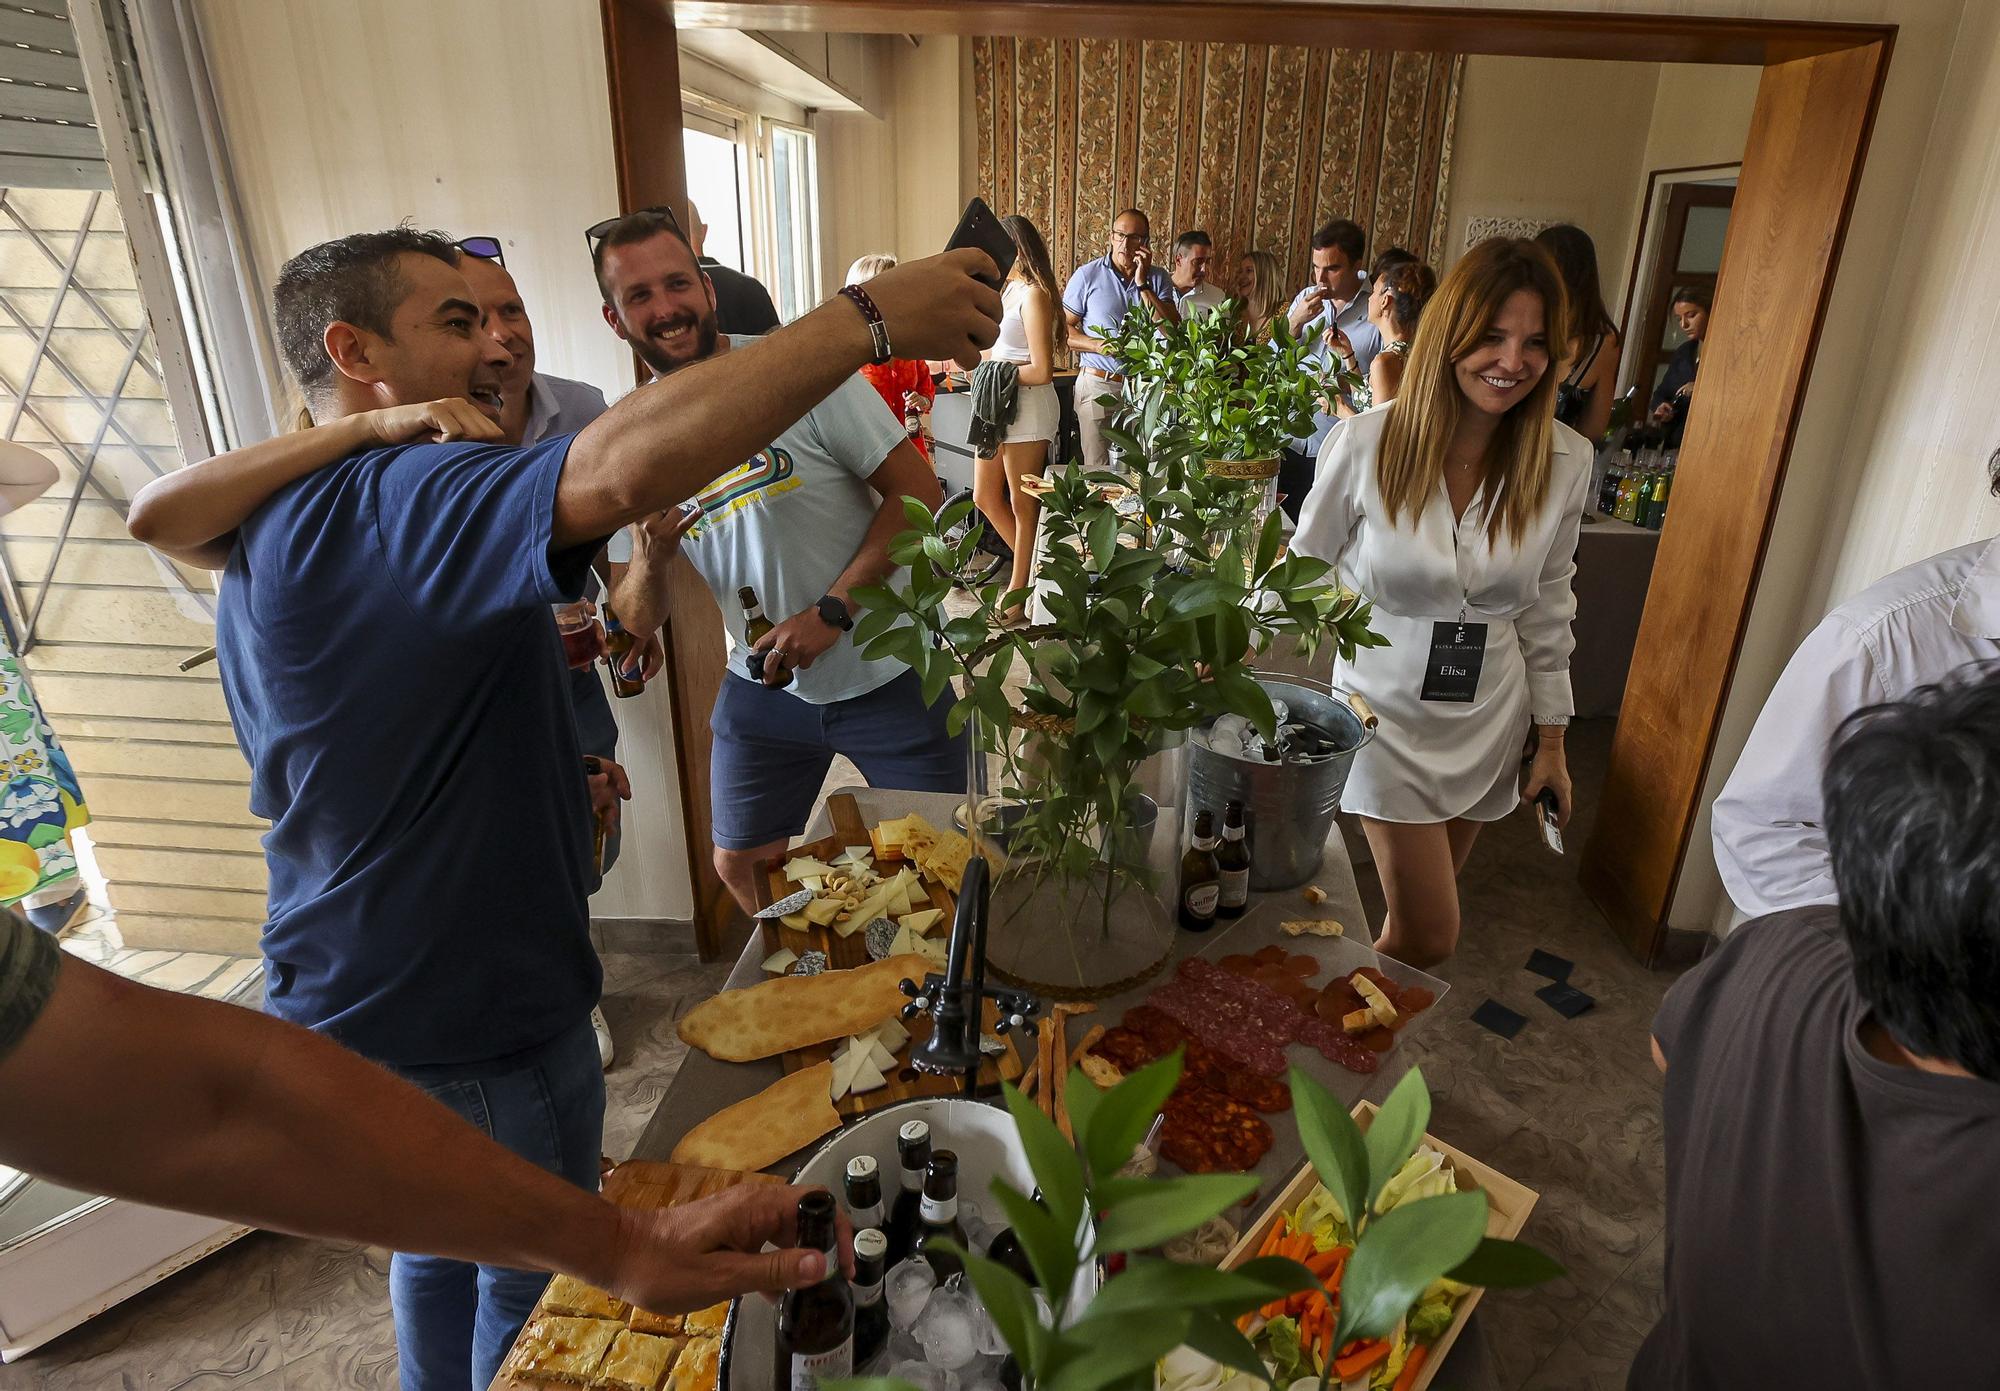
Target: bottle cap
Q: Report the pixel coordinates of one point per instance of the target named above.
(914, 1131)
(870, 1244)
(862, 1166)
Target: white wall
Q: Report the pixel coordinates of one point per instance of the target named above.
(476, 116)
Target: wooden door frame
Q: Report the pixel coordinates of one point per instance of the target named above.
(1665, 280)
(1808, 140)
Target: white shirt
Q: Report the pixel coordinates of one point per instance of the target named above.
(1910, 629)
(1205, 298)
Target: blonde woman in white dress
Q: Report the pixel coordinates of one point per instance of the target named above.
(1456, 509)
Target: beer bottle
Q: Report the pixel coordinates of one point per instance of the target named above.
(1232, 864)
(1201, 877)
(1656, 510)
(913, 1154)
(871, 1311)
(618, 645)
(939, 1217)
(864, 1192)
(816, 1324)
(755, 625)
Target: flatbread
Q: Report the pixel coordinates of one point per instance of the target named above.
(791, 1012)
(565, 1350)
(786, 1116)
(636, 1362)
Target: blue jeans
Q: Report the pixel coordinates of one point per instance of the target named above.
(456, 1321)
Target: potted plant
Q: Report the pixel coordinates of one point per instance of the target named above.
(1154, 1307)
(1159, 585)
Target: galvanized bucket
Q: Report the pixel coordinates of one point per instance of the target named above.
(1288, 807)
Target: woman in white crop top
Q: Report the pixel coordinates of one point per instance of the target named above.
(1027, 337)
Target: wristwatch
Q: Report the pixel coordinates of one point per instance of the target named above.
(835, 613)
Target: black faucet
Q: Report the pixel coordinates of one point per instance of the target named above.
(954, 1000)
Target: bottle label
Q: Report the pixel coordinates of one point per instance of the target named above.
(938, 1211)
(867, 1295)
(1234, 891)
(809, 1369)
(866, 1217)
(1202, 898)
(913, 1180)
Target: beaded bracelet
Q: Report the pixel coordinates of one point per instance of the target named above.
(878, 331)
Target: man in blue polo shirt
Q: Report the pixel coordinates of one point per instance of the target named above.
(1095, 303)
(399, 690)
(1329, 312)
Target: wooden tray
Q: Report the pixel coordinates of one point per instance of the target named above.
(1508, 1204)
(644, 1184)
(844, 953)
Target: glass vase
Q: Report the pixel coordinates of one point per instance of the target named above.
(1085, 864)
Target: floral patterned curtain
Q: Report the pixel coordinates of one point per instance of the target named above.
(1256, 144)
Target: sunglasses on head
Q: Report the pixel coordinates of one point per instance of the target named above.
(485, 248)
(598, 231)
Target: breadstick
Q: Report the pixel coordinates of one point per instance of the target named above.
(1045, 1047)
(1089, 1042)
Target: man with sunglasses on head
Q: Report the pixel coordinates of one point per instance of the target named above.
(804, 521)
(402, 698)
(1095, 303)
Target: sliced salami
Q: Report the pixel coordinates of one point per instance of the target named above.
(1337, 1046)
(1241, 1044)
(1206, 1132)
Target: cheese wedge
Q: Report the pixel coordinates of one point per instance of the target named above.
(891, 1034)
(845, 1065)
(1378, 1002)
(922, 920)
(906, 942)
(798, 922)
(878, 1055)
(780, 961)
(1358, 1021)
(868, 1078)
(804, 867)
(822, 911)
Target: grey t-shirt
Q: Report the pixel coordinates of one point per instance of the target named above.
(1829, 1214)
(789, 521)
(29, 961)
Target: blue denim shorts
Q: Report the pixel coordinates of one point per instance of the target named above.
(772, 751)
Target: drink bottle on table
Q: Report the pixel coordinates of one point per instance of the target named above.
(938, 1217)
(1232, 862)
(816, 1324)
(1201, 877)
(913, 1156)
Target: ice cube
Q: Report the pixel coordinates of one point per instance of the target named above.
(1235, 726)
(924, 1376)
(948, 1330)
(1281, 710)
(1224, 744)
(909, 1288)
(986, 1335)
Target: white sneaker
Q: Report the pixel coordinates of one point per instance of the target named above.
(602, 1029)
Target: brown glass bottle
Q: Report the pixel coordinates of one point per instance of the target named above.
(1232, 861)
(871, 1310)
(913, 1153)
(816, 1324)
(755, 625)
(864, 1193)
(618, 646)
(939, 1217)
(1201, 877)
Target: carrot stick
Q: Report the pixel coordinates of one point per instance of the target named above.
(1412, 1368)
(1272, 1238)
(1326, 1264)
(1363, 1358)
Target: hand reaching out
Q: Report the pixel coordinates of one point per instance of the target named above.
(679, 1259)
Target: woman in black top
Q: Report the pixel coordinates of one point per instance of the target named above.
(1590, 366)
(1676, 388)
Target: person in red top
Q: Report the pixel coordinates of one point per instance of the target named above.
(905, 384)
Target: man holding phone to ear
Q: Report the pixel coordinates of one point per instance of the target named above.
(804, 523)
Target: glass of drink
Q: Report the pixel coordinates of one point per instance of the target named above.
(582, 634)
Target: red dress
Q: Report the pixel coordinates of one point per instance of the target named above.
(895, 379)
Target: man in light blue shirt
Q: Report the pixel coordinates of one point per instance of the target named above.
(1333, 309)
(1095, 303)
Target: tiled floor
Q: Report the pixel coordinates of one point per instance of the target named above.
(1569, 1107)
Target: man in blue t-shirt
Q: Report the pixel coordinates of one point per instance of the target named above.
(804, 523)
(399, 690)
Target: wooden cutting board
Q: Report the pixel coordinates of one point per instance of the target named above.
(642, 1183)
(844, 953)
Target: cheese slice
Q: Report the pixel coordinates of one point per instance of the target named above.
(804, 866)
(899, 898)
(1358, 1021)
(938, 953)
(822, 911)
(798, 922)
(780, 961)
(857, 854)
(890, 832)
(923, 920)
(869, 1078)
(1378, 1002)
(906, 941)
(891, 1034)
(878, 1055)
(845, 1065)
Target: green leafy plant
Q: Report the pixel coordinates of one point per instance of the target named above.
(1155, 1305)
(1162, 583)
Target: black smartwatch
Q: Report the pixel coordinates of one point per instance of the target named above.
(835, 613)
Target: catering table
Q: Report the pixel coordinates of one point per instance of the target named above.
(1614, 568)
(704, 1085)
